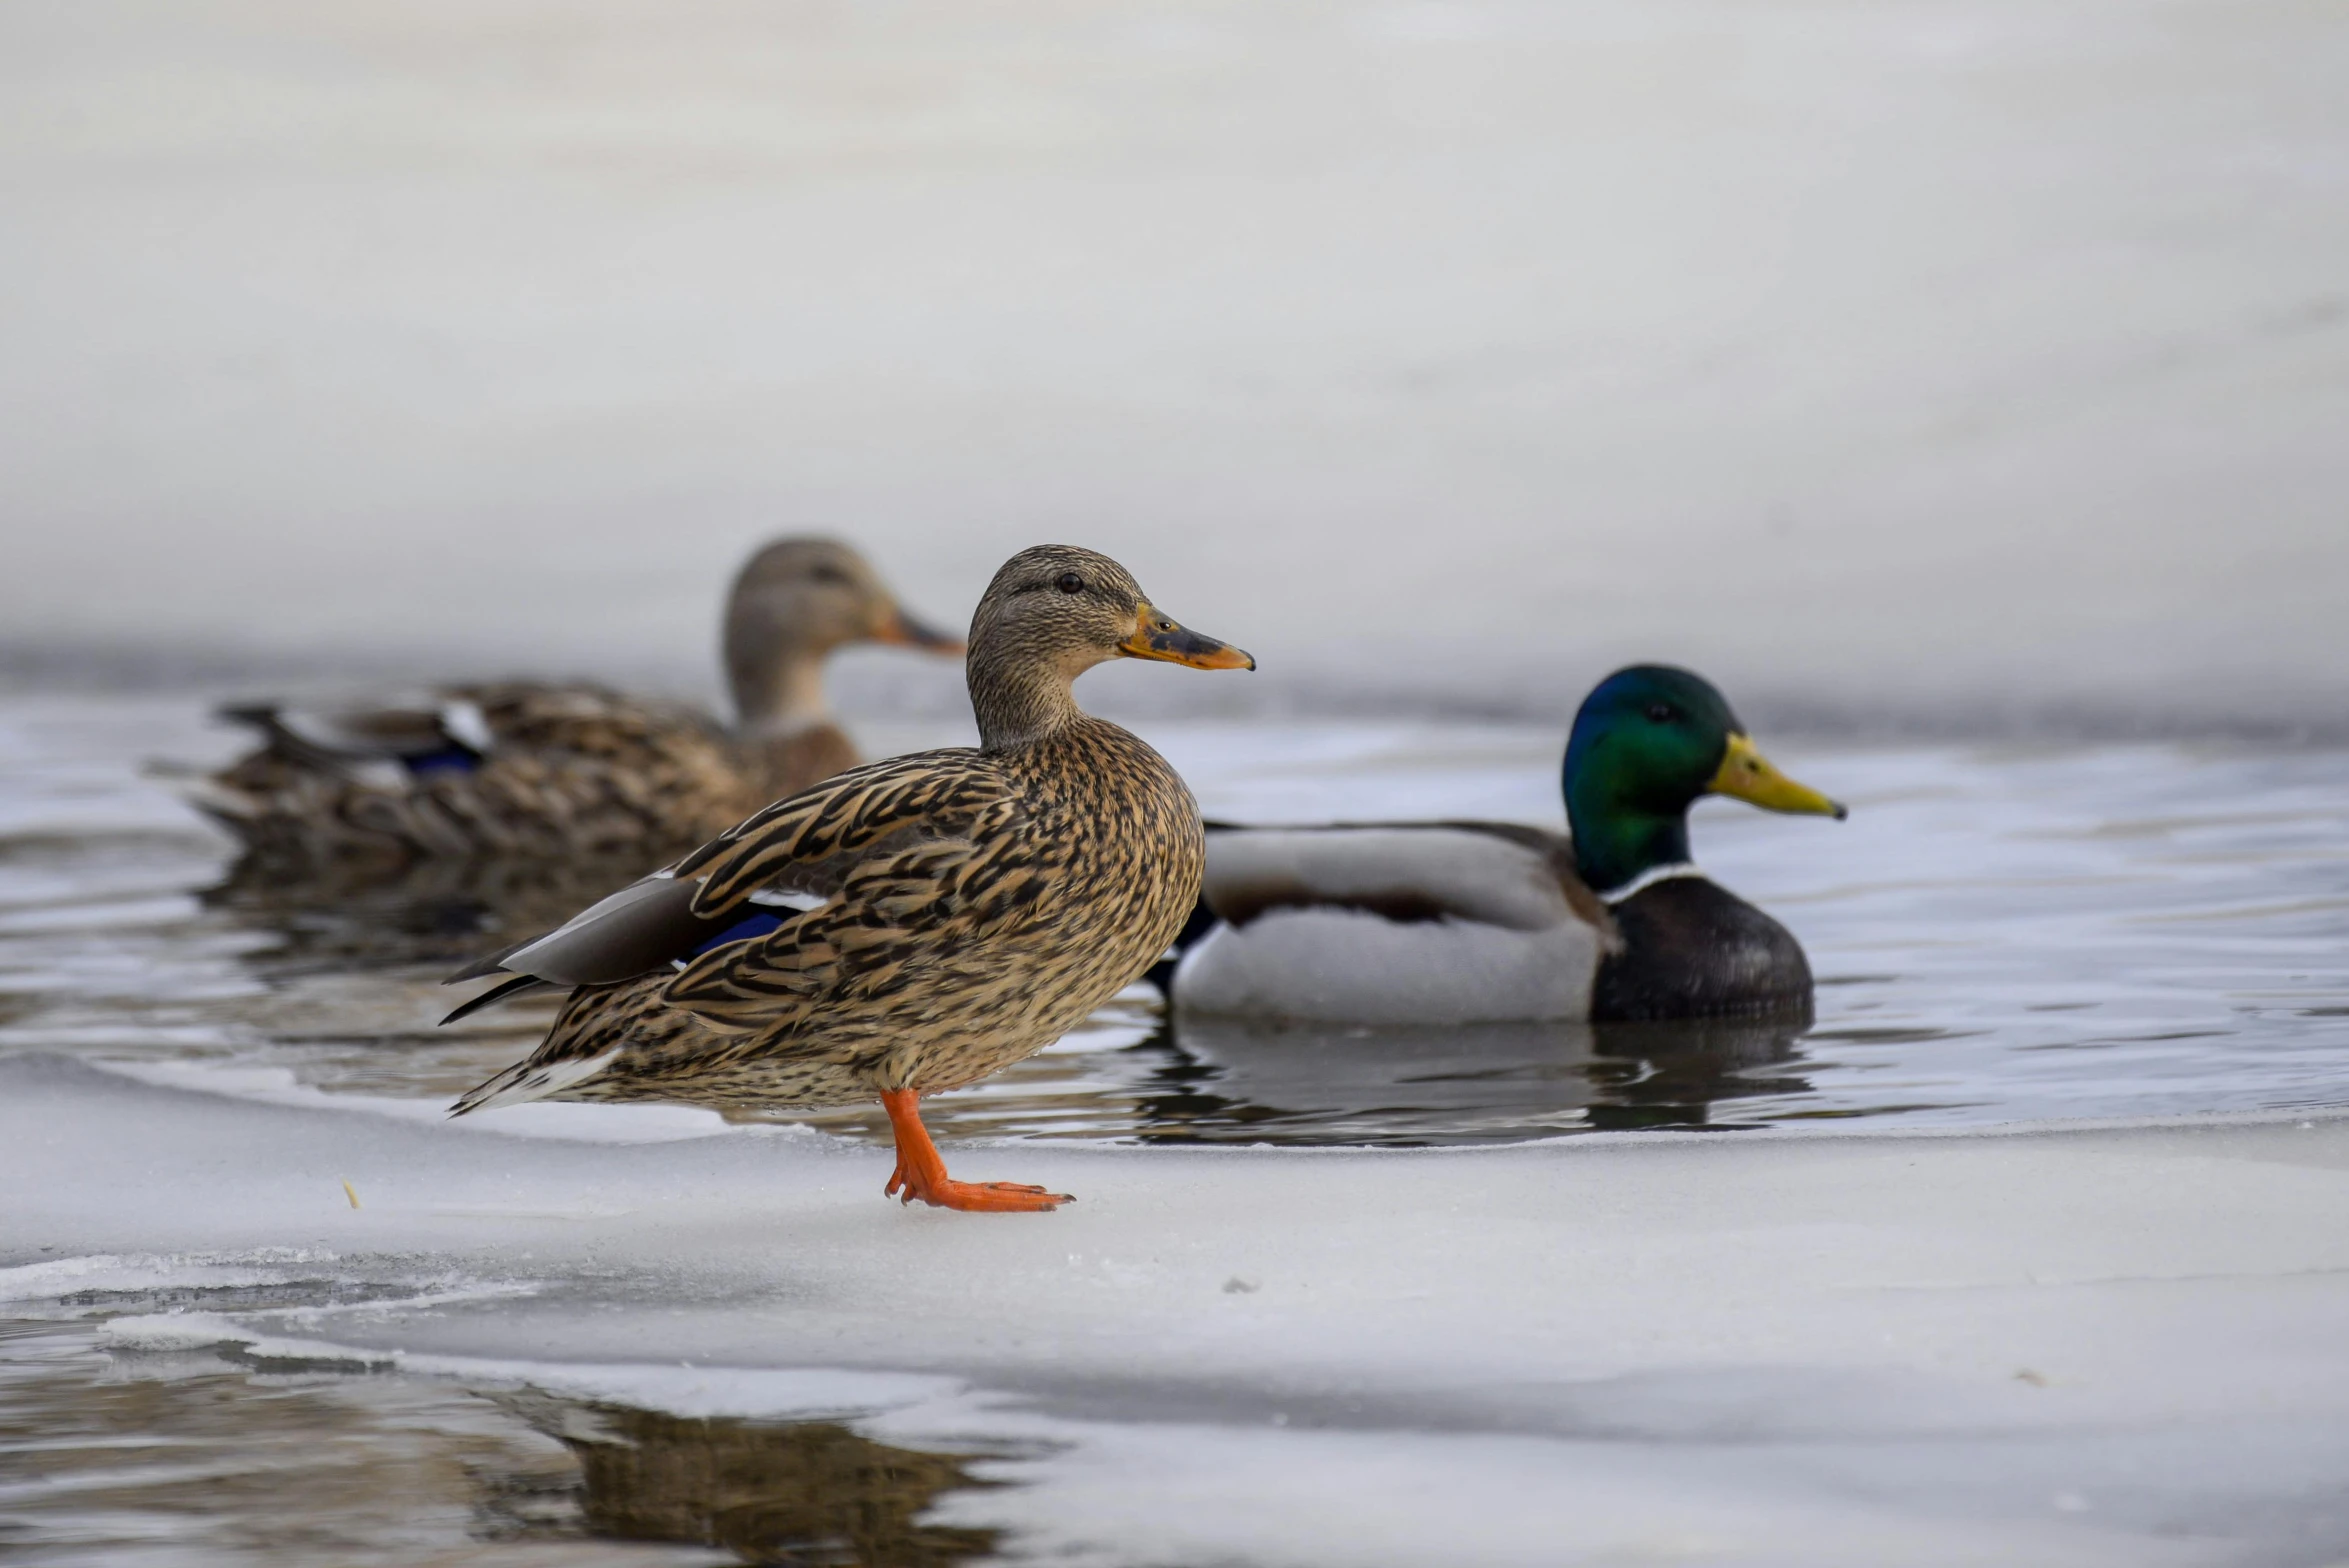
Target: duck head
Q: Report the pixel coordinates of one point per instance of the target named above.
(1648, 743)
(793, 603)
(1052, 613)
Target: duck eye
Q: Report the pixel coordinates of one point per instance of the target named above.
(831, 575)
(1070, 582)
(1662, 712)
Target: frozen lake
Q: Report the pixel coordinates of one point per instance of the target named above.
(1936, 368)
(571, 1333)
(2116, 1347)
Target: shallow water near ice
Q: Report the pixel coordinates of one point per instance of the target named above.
(180, 1452)
(1998, 933)
(586, 1334)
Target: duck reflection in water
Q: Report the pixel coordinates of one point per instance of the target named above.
(436, 912)
(809, 1494)
(1228, 1081)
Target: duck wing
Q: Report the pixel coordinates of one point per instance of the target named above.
(796, 855)
(1493, 873)
(511, 769)
(358, 742)
(913, 853)
(583, 718)
(1395, 924)
(815, 837)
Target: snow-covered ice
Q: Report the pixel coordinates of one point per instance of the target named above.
(2085, 1345)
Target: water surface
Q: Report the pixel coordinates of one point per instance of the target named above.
(207, 1456)
(1999, 933)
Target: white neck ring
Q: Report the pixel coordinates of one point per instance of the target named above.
(1649, 878)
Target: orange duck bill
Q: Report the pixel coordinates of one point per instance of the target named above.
(1158, 635)
(904, 630)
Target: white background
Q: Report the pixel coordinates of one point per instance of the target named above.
(1904, 354)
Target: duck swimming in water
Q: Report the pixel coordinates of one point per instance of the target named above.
(525, 769)
(907, 926)
(1457, 922)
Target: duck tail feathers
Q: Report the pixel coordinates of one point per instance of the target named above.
(232, 808)
(517, 986)
(535, 1079)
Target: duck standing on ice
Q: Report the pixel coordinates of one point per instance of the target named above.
(905, 927)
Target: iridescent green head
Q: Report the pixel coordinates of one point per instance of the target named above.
(1648, 742)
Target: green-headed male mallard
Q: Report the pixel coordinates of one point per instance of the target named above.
(518, 768)
(1457, 922)
(908, 926)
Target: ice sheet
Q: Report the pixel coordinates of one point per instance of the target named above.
(2115, 1345)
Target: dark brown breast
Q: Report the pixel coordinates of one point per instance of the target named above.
(1693, 949)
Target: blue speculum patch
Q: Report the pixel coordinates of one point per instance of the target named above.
(743, 930)
(456, 759)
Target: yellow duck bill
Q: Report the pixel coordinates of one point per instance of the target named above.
(1745, 774)
(1160, 636)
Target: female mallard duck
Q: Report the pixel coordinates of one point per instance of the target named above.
(528, 769)
(1456, 922)
(908, 926)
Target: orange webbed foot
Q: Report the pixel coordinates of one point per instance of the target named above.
(921, 1175)
(984, 1197)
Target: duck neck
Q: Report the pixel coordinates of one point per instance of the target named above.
(1019, 701)
(779, 695)
(1615, 845)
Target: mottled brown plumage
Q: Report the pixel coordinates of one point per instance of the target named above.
(976, 903)
(524, 769)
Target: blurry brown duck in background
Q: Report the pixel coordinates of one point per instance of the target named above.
(526, 769)
(907, 926)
